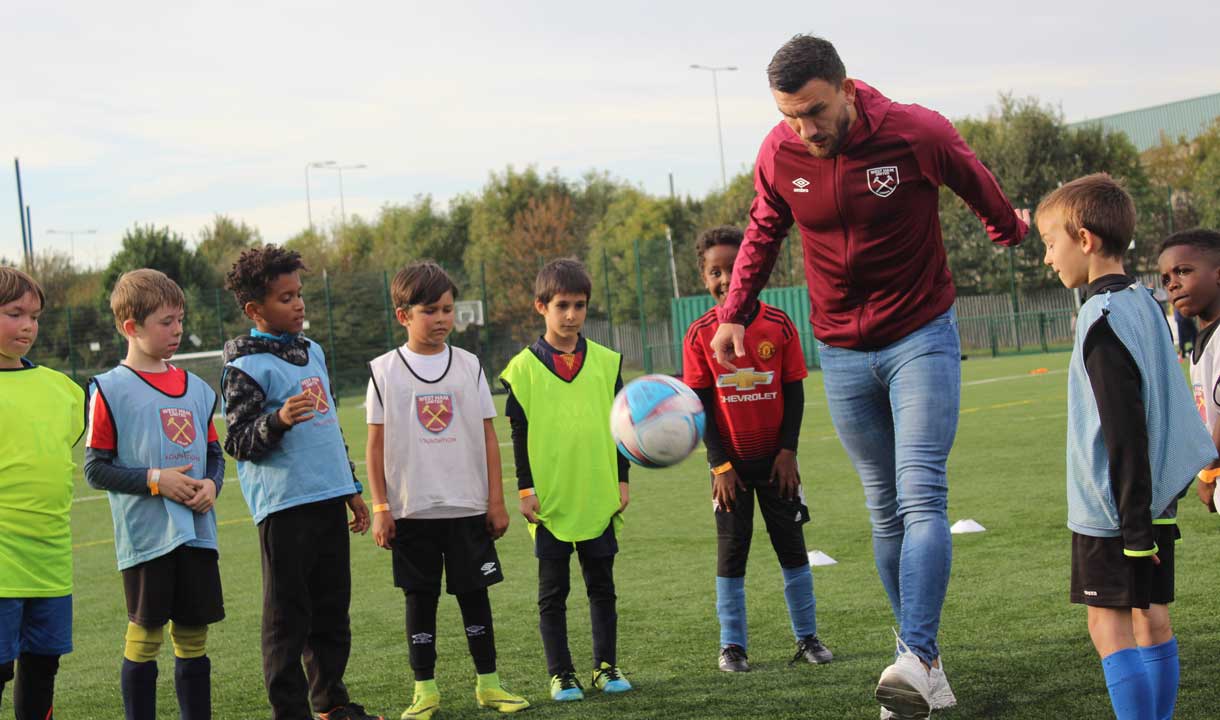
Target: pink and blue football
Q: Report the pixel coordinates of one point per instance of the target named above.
(657, 421)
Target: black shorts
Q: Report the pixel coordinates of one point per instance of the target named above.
(183, 585)
(1103, 577)
(460, 547)
(783, 518)
(547, 545)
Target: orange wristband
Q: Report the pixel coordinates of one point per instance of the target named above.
(722, 468)
(1208, 477)
(381, 507)
(154, 483)
(526, 493)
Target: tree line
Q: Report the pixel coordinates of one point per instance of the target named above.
(497, 237)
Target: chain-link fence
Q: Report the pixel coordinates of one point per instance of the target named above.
(352, 316)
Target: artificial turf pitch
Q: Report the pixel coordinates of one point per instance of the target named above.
(1012, 645)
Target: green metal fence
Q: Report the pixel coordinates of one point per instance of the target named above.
(351, 316)
(999, 334)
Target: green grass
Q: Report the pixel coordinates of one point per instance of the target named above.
(1013, 645)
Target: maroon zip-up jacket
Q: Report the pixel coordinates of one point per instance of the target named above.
(874, 258)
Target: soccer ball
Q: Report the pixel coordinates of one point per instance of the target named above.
(656, 421)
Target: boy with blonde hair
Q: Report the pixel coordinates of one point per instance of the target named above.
(1134, 443)
(152, 446)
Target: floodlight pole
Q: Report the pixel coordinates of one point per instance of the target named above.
(72, 237)
(308, 202)
(716, 95)
(26, 245)
(340, 168)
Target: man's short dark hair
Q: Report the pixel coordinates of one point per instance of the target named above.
(421, 283)
(1098, 203)
(722, 235)
(1200, 238)
(563, 276)
(256, 268)
(805, 58)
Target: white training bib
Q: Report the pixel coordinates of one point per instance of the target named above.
(1204, 364)
(435, 454)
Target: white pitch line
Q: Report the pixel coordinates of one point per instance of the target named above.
(986, 381)
(1013, 377)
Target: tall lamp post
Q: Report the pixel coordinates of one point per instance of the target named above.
(72, 237)
(308, 202)
(716, 94)
(340, 169)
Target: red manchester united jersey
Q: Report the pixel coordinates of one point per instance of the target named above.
(750, 407)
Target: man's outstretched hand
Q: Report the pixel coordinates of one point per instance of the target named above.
(728, 344)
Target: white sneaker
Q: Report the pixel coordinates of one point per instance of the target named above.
(905, 688)
(942, 695)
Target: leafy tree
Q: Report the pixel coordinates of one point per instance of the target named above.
(1031, 151)
(221, 242)
(316, 250)
(500, 216)
(633, 217)
(1186, 172)
(148, 246)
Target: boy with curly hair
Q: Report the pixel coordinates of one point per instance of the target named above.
(296, 477)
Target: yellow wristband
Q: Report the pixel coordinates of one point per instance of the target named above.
(722, 468)
(1209, 476)
(154, 482)
(381, 507)
(527, 492)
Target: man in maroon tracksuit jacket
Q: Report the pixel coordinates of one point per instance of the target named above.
(859, 173)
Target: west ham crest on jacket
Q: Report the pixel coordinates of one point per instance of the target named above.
(435, 411)
(179, 426)
(883, 181)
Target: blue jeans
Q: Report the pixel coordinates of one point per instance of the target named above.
(895, 411)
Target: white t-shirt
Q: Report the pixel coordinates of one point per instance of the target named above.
(433, 408)
(1204, 370)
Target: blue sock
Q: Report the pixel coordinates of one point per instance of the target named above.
(1161, 666)
(731, 609)
(1130, 690)
(802, 607)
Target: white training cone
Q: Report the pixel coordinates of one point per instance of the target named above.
(966, 526)
(817, 557)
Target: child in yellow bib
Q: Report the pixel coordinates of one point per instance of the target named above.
(572, 482)
(41, 417)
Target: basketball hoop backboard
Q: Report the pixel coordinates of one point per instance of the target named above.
(467, 313)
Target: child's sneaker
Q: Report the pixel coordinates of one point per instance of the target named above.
(609, 679)
(423, 706)
(501, 700)
(812, 651)
(566, 688)
(350, 711)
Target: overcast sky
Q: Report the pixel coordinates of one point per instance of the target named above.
(170, 113)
